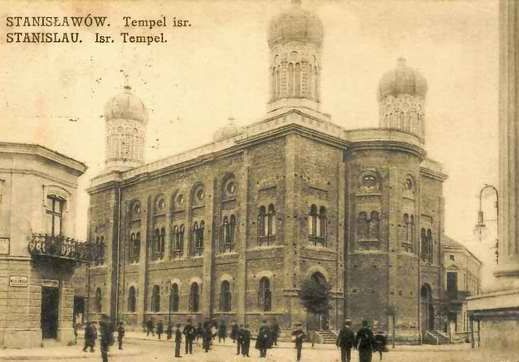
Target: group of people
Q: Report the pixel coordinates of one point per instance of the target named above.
(364, 341)
(107, 336)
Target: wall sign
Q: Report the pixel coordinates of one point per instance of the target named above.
(18, 281)
(4, 246)
(51, 283)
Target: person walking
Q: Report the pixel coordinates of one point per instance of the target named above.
(275, 332)
(207, 337)
(150, 328)
(298, 337)
(346, 341)
(189, 336)
(222, 331)
(364, 342)
(234, 331)
(120, 334)
(239, 339)
(90, 337)
(245, 341)
(380, 343)
(160, 328)
(178, 341)
(263, 341)
(107, 336)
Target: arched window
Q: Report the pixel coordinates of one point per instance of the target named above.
(155, 299)
(194, 298)
(232, 229)
(362, 226)
(265, 295)
(225, 233)
(178, 241)
(162, 239)
(423, 244)
(297, 80)
(131, 250)
(323, 222)
(225, 296)
(271, 221)
(228, 233)
(198, 238)
(174, 298)
(132, 300)
(413, 231)
(98, 301)
(194, 237)
(374, 226)
(155, 243)
(429, 246)
(262, 229)
(290, 79)
(312, 221)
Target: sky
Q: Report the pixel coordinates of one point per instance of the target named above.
(217, 68)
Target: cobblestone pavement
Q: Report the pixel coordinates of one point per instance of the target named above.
(163, 351)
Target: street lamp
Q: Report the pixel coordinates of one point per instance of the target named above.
(480, 228)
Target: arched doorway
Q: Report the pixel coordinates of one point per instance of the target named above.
(427, 309)
(319, 321)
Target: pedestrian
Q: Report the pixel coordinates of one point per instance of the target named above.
(245, 341)
(275, 332)
(189, 336)
(199, 330)
(150, 328)
(263, 341)
(364, 342)
(234, 331)
(345, 341)
(169, 330)
(380, 343)
(107, 336)
(90, 337)
(239, 339)
(298, 337)
(207, 337)
(120, 334)
(178, 341)
(160, 328)
(222, 331)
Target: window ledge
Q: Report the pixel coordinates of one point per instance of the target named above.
(266, 247)
(227, 253)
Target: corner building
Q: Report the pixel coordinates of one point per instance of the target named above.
(231, 229)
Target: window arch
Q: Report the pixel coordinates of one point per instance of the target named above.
(225, 296)
(228, 234)
(174, 298)
(98, 303)
(194, 298)
(423, 244)
(132, 300)
(198, 238)
(155, 299)
(271, 221)
(178, 241)
(265, 294)
(323, 222)
(262, 225)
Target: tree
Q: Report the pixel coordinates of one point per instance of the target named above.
(315, 295)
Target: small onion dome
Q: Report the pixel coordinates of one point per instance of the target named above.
(230, 130)
(126, 105)
(402, 80)
(295, 24)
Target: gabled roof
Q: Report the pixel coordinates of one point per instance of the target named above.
(449, 243)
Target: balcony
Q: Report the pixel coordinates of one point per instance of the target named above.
(58, 247)
(457, 296)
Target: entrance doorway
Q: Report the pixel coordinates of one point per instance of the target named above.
(427, 309)
(49, 312)
(319, 321)
(79, 310)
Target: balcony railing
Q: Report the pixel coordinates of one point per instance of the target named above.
(61, 247)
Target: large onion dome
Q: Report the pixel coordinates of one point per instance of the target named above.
(126, 105)
(230, 130)
(295, 24)
(402, 80)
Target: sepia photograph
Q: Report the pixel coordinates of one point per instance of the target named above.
(259, 180)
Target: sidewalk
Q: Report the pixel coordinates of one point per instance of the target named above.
(141, 336)
(62, 353)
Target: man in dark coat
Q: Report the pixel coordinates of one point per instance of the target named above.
(222, 331)
(239, 339)
(169, 330)
(189, 336)
(275, 332)
(90, 337)
(160, 328)
(380, 343)
(107, 336)
(120, 334)
(364, 342)
(345, 341)
(150, 328)
(245, 341)
(207, 337)
(234, 331)
(263, 341)
(178, 340)
(298, 336)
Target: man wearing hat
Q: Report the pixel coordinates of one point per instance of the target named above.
(364, 342)
(189, 336)
(345, 341)
(298, 336)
